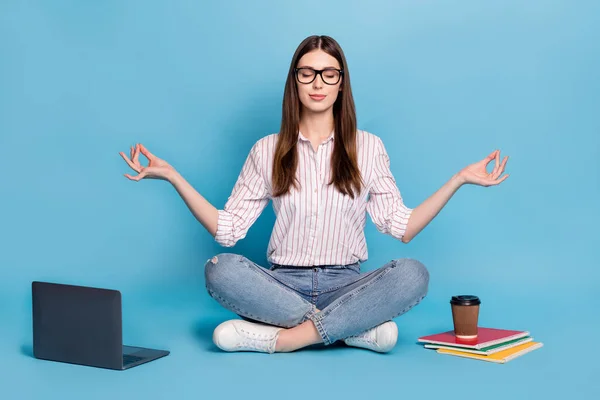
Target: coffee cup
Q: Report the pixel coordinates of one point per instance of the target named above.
(465, 315)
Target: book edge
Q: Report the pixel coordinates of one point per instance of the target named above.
(503, 360)
(471, 356)
(479, 351)
(524, 351)
(480, 345)
(506, 339)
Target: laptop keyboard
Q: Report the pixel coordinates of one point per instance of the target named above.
(128, 359)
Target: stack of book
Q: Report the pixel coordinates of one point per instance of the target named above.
(494, 345)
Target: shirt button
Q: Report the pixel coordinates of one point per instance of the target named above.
(315, 190)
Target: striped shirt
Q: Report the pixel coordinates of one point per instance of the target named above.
(315, 224)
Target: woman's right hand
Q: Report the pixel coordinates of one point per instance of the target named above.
(156, 169)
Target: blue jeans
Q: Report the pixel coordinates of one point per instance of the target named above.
(350, 301)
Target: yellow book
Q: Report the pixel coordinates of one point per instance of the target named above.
(501, 357)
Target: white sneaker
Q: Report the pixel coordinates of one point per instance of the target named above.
(242, 335)
(381, 338)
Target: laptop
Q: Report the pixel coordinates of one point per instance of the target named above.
(83, 325)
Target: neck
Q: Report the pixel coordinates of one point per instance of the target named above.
(316, 125)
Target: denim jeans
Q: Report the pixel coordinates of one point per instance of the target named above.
(349, 301)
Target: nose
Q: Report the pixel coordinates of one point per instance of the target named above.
(318, 82)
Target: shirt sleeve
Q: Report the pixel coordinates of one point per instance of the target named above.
(385, 204)
(247, 201)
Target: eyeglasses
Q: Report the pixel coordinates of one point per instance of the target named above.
(330, 76)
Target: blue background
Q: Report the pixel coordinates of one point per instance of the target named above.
(442, 83)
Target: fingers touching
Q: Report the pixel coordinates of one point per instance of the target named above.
(134, 162)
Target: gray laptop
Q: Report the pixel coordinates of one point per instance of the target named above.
(83, 325)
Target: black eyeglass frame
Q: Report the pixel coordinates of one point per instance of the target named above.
(319, 72)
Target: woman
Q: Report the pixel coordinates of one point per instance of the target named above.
(323, 175)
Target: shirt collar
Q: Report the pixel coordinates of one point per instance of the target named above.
(302, 137)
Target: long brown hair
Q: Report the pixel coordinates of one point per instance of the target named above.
(344, 163)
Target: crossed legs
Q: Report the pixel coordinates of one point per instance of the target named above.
(372, 299)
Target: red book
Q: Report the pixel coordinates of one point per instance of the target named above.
(485, 337)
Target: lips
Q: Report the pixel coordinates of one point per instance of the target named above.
(317, 96)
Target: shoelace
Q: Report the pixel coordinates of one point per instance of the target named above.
(363, 339)
(366, 337)
(261, 341)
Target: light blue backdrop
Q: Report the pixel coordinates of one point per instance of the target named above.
(442, 83)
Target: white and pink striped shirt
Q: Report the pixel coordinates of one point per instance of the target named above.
(315, 225)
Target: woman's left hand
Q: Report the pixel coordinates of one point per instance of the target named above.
(477, 173)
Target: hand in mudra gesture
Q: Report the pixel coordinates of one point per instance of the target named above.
(477, 173)
(156, 169)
